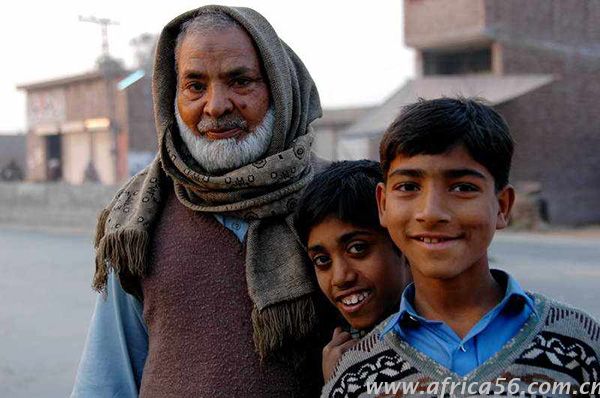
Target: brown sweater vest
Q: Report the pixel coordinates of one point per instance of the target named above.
(197, 309)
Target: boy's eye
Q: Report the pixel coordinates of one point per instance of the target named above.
(464, 187)
(407, 187)
(321, 261)
(357, 248)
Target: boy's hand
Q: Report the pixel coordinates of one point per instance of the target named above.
(332, 352)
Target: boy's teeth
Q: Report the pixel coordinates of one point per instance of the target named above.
(355, 298)
(431, 240)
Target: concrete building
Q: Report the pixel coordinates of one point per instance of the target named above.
(329, 127)
(538, 62)
(96, 126)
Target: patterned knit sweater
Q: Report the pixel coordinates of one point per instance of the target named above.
(558, 345)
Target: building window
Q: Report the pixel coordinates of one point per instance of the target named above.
(438, 62)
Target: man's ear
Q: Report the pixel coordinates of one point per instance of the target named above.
(506, 200)
(380, 195)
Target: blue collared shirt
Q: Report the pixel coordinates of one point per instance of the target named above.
(438, 341)
(117, 343)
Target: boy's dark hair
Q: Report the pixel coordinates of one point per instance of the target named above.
(345, 190)
(431, 127)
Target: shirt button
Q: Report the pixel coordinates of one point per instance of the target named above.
(236, 226)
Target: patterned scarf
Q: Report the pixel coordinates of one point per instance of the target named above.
(263, 193)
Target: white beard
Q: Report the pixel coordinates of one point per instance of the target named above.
(220, 156)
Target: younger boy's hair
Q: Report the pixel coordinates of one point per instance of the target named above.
(432, 127)
(344, 190)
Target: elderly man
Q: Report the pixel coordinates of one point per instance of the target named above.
(207, 293)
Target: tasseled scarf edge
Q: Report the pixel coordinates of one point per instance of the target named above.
(116, 250)
(129, 248)
(297, 318)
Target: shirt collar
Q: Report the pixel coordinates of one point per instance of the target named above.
(513, 295)
(513, 292)
(406, 313)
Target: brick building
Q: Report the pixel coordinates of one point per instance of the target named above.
(538, 62)
(102, 119)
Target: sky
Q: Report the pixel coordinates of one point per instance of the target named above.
(353, 49)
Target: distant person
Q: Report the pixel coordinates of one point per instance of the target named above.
(356, 264)
(54, 169)
(11, 172)
(207, 293)
(446, 164)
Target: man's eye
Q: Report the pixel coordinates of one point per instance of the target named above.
(357, 248)
(320, 261)
(464, 188)
(196, 87)
(241, 82)
(407, 187)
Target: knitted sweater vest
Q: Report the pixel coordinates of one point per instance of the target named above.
(562, 345)
(197, 309)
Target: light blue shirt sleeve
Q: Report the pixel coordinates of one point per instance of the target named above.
(116, 347)
(115, 351)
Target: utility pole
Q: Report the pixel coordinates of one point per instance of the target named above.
(107, 66)
(104, 24)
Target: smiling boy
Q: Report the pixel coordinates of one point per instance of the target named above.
(357, 266)
(446, 164)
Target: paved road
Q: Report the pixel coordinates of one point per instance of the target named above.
(45, 307)
(46, 302)
(566, 268)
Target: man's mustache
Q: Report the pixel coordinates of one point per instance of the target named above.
(225, 122)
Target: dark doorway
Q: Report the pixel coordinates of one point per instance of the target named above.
(53, 157)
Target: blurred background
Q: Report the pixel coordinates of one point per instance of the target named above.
(76, 121)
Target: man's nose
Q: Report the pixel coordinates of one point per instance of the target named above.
(218, 102)
(432, 208)
(344, 275)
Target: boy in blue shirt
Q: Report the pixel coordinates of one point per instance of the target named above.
(446, 164)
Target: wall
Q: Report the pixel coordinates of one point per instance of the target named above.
(76, 156)
(557, 127)
(439, 23)
(140, 116)
(50, 205)
(554, 24)
(36, 157)
(558, 144)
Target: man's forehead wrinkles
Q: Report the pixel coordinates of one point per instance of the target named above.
(193, 74)
(240, 70)
(199, 73)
